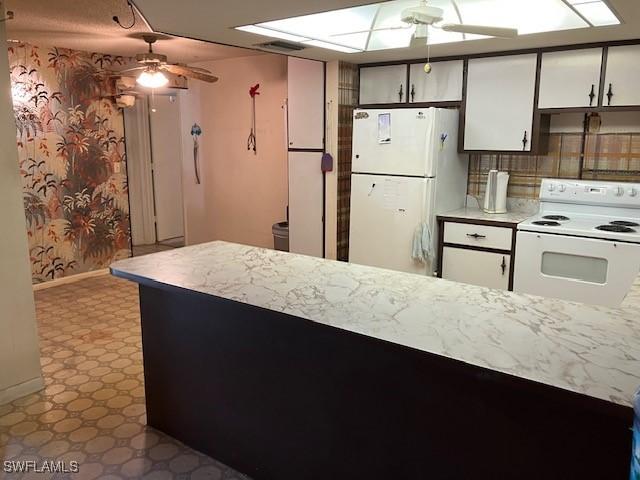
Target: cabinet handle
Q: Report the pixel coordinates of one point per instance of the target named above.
(525, 140)
(610, 94)
(503, 266)
(413, 93)
(477, 236)
(401, 93)
(592, 95)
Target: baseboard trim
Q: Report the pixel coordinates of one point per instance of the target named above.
(70, 279)
(22, 389)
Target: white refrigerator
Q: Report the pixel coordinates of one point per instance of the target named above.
(405, 170)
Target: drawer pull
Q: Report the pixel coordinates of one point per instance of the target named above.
(503, 265)
(592, 95)
(400, 93)
(610, 94)
(477, 236)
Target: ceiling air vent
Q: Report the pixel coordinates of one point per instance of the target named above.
(281, 47)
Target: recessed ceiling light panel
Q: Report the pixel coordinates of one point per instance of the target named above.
(379, 26)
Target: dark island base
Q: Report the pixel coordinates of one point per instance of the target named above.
(279, 397)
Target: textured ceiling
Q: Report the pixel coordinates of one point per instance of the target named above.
(214, 21)
(88, 25)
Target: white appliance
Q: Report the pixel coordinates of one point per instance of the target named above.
(495, 196)
(406, 169)
(584, 243)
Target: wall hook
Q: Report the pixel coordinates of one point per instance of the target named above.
(10, 16)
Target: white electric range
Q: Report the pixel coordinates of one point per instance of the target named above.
(584, 243)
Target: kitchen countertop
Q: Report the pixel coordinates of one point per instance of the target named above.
(472, 213)
(591, 350)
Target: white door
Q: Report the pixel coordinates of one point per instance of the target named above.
(166, 152)
(385, 212)
(442, 84)
(305, 86)
(570, 79)
(499, 106)
(139, 174)
(306, 228)
(580, 269)
(386, 84)
(394, 141)
(623, 74)
(485, 269)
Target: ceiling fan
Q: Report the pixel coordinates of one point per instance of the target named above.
(153, 64)
(423, 16)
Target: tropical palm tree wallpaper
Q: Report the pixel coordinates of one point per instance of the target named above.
(71, 151)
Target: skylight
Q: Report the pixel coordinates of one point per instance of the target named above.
(379, 26)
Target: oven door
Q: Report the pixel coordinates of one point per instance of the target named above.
(586, 270)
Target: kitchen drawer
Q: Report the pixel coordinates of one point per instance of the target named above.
(483, 236)
(485, 269)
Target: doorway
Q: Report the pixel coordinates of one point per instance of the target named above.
(154, 162)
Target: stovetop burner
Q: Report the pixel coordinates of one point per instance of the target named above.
(624, 223)
(546, 223)
(556, 217)
(615, 228)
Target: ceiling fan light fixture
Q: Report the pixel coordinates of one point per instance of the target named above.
(152, 79)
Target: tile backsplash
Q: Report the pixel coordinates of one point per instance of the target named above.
(608, 156)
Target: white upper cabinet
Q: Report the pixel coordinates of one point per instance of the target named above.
(622, 86)
(387, 84)
(570, 78)
(443, 84)
(305, 105)
(499, 103)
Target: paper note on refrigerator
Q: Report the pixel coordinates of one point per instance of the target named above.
(395, 194)
(384, 128)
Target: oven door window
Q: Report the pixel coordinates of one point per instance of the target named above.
(575, 267)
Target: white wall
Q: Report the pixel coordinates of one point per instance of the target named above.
(195, 208)
(19, 355)
(241, 194)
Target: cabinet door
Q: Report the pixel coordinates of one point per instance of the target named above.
(383, 84)
(306, 227)
(485, 269)
(443, 84)
(623, 72)
(305, 85)
(499, 104)
(570, 79)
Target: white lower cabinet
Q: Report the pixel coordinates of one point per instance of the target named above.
(486, 269)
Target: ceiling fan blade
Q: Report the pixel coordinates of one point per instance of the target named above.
(127, 70)
(480, 30)
(189, 72)
(196, 69)
(372, 30)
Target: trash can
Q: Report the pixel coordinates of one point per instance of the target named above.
(280, 232)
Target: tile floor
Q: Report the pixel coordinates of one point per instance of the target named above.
(92, 409)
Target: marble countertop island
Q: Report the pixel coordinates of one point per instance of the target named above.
(589, 350)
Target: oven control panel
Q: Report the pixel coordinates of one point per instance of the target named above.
(617, 194)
